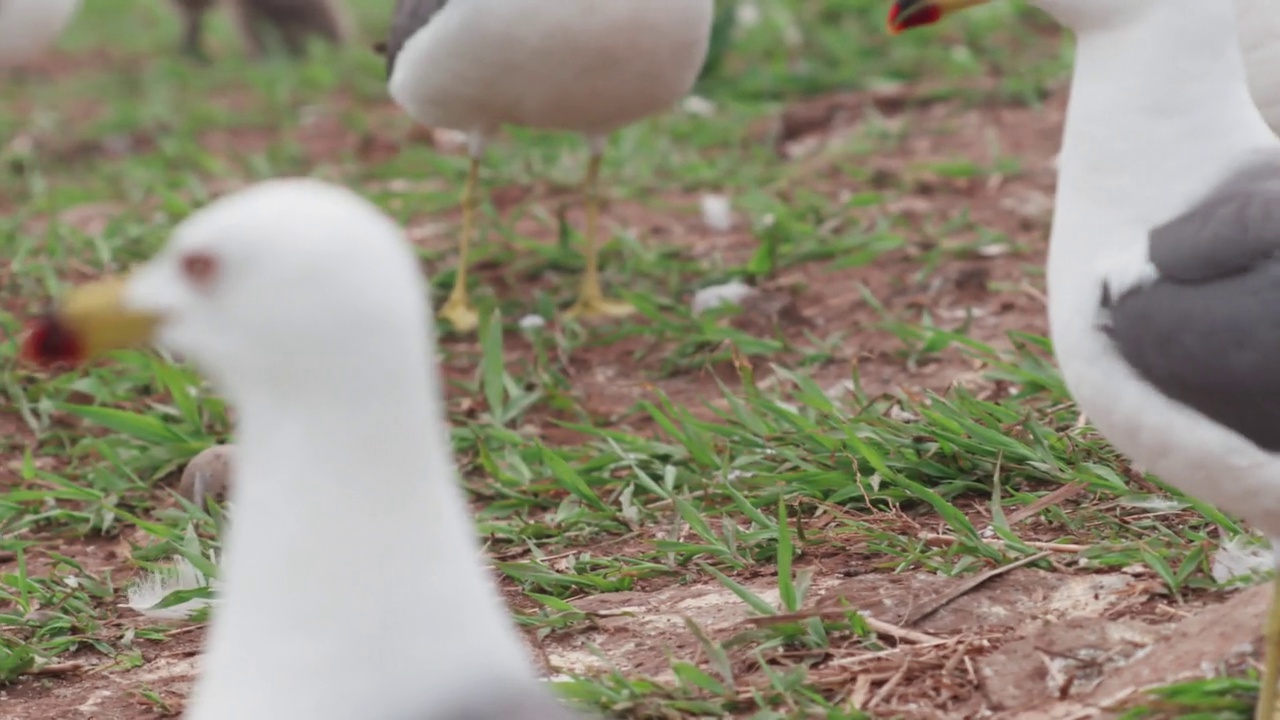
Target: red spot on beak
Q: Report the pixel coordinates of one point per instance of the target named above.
(907, 14)
(49, 342)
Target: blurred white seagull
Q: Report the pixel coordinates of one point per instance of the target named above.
(352, 584)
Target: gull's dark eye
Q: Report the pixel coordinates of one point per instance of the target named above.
(200, 268)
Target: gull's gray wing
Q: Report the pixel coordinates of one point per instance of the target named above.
(409, 17)
(1206, 331)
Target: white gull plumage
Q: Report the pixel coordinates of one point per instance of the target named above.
(28, 27)
(352, 584)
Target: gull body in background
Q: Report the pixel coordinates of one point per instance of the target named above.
(1164, 258)
(292, 22)
(352, 582)
(193, 13)
(1259, 27)
(583, 66)
(29, 27)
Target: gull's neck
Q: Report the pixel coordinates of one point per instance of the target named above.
(1159, 113)
(1258, 22)
(353, 584)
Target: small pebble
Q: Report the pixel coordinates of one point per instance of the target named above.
(717, 212)
(208, 475)
(40, 617)
(532, 322)
(732, 293)
(698, 106)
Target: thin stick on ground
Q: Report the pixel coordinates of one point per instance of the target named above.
(968, 586)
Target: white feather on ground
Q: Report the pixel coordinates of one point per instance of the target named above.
(155, 586)
(1241, 556)
(730, 293)
(717, 212)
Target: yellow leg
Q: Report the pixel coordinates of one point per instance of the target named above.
(458, 309)
(591, 302)
(1266, 709)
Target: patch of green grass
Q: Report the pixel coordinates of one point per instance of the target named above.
(1211, 699)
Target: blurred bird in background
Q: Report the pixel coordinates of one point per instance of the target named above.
(263, 24)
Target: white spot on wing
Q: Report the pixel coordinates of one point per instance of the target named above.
(1130, 270)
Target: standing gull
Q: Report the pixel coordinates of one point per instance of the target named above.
(1164, 257)
(352, 583)
(583, 66)
(260, 22)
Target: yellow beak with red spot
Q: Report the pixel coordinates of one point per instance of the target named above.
(89, 320)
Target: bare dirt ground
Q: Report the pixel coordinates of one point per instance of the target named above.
(1017, 643)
